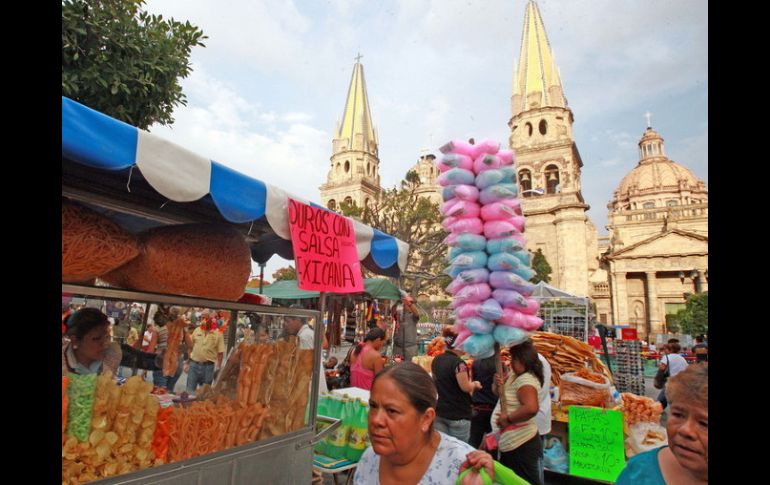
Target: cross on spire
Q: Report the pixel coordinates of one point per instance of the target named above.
(358, 58)
(648, 115)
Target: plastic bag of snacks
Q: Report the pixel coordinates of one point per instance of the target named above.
(585, 388)
(81, 403)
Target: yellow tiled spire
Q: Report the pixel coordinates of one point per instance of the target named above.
(356, 126)
(536, 82)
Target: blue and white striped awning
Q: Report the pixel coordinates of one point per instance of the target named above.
(98, 141)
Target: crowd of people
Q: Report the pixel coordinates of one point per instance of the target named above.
(423, 428)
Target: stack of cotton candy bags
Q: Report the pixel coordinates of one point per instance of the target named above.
(489, 265)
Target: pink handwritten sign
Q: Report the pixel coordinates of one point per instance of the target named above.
(324, 250)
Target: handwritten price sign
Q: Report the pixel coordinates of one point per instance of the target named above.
(324, 250)
(596, 443)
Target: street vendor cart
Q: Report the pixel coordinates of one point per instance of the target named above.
(142, 183)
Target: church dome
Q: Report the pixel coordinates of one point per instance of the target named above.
(656, 174)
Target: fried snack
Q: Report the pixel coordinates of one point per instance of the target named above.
(171, 356)
(567, 354)
(637, 409)
(203, 260)
(91, 244)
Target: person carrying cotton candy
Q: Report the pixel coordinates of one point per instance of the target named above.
(455, 387)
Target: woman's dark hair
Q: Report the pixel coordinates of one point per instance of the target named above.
(674, 347)
(413, 381)
(449, 335)
(374, 334)
(83, 321)
(526, 354)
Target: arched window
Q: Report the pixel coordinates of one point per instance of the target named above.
(339, 167)
(543, 127)
(368, 169)
(529, 129)
(649, 215)
(672, 203)
(525, 182)
(347, 166)
(332, 204)
(551, 179)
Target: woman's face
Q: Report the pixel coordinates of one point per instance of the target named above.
(517, 366)
(378, 343)
(688, 436)
(395, 426)
(94, 344)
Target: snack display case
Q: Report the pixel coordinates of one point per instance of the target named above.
(257, 423)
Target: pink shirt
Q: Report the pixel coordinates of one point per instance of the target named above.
(360, 376)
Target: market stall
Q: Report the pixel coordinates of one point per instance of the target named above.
(173, 228)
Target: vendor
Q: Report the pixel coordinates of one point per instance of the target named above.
(90, 349)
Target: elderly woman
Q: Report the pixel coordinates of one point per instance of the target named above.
(405, 447)
(89, 349)
(686, 458)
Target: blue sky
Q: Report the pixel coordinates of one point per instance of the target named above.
(267, 91)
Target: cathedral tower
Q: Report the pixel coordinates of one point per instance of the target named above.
(354, 175)
(549, 163)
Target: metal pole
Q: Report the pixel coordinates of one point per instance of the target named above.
(261, 276)
(501, 391)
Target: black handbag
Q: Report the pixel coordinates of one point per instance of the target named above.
(659, 381)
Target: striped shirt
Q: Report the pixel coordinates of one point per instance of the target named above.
(510, 440)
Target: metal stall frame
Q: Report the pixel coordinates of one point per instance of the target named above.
(290, 455)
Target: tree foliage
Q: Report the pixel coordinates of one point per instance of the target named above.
(541, 267)
(288, 273)
(694, 319)
(411, 217)
(122, 61)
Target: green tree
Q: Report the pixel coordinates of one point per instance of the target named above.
(541, 267)
(122, 61)
(694, 319)
(411, 217)
(288, 273)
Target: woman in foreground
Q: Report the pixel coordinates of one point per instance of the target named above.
(405, 448)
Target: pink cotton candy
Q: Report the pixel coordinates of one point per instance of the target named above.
(458, 146)
(506, 156)
(462, 336)
(472, 294)
(468, 310)
(455, 286)
(448, 222)
(472, 225)
(473, 276)
(485, 146)
(497, 211)
(455, 160)
(517, 319)
(460, 208)
(499, 229)
(486, 162)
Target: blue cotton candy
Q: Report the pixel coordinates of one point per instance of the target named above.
(470, 260)
(480, 346)
(504, 245)
(508, 336)
(498, 192)
(503, 262)
(490, 309)
(502, 175)
(456, 176)
(468, 242)
(479, 325)
(460, 191)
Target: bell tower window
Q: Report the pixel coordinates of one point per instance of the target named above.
(552, 179)
(529, 129)
(543, 127)
(525, 181)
